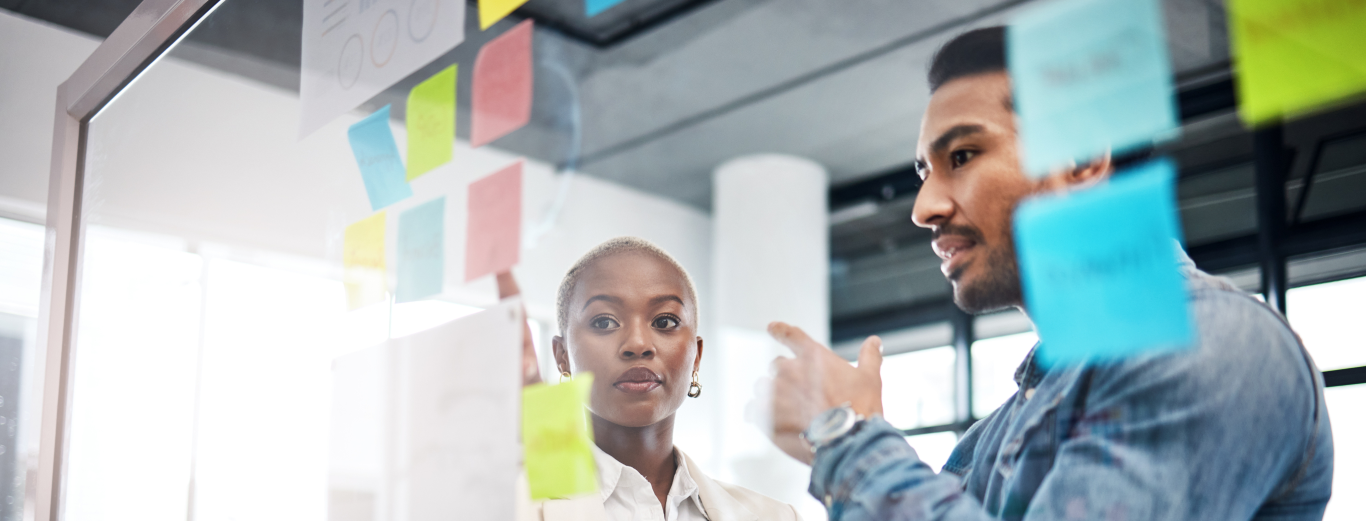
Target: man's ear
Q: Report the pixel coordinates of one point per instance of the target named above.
(561, 354)
(1080, 176)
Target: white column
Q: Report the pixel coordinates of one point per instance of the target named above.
(771, 262)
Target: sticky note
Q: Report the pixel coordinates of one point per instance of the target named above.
(593, 7)
(372, 142)
(1089, 76)
(1295, 55)
(431, 122)
(490, 11)
(502, 86)
(494, 232)
(558, 440)
(1100, 268)
(421, 251)
(363, 262)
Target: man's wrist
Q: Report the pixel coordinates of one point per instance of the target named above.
(830, 425)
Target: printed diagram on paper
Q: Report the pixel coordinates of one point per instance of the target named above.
(353, 49)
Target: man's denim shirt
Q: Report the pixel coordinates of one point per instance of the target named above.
(1234, 428)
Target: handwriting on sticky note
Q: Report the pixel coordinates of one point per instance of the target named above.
(491, 11)
(1099, 269)
(1089, 77)
(494, 228)
(502, 85)
(431, 122)
(558, 440)
(593, 7)
(372, 142)
(363, 271)
(421, 251)
(1293, 56)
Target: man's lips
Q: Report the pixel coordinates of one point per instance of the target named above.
(949, 246)
(638, 380)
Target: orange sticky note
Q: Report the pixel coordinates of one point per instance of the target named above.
(490, 11)
(502, 86)
(363, 271)
(494, 232)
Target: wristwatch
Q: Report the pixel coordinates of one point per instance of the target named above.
(829, 425)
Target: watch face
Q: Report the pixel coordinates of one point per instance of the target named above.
(829, 424)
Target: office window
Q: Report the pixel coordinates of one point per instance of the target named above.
(934, 449)
(1349, 453)
(21, 270)
(917, 388)
(994, 361)
(1328, 317)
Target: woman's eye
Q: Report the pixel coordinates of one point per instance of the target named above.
(666, 323)
(960, 157)
(604, 323)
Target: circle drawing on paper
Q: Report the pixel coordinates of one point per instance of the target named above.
(384, 40)
(422, 19)
(349, 62)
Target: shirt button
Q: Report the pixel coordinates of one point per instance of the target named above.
(1029, 393)
(829, 501)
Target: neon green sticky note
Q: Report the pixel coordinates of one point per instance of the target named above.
(1292, 56)
(558, 440)
(363, 261)
(490, 11)
(431, 122)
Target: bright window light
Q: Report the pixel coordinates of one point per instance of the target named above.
(1328, 317)
(994, 361)
(917, 388)
(934, 449)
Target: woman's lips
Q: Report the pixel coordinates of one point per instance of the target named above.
(638, 380)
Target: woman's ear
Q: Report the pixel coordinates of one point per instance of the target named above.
(697, 362)
(561, 354)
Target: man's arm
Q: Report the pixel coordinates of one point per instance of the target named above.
(1206, 434)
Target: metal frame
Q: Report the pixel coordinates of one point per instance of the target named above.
(143, 37)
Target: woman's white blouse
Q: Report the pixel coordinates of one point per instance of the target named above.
(627, 495)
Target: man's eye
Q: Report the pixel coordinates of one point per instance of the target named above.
(960, 157)
(665, 322)
(604, 323)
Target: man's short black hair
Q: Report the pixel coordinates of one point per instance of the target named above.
(974, 52)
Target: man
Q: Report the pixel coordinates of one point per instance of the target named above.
(1233, 428)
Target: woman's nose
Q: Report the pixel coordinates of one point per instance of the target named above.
(637, 344)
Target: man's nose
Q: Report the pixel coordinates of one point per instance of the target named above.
(933, 206)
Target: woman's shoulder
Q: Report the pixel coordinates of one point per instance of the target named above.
(726, 501)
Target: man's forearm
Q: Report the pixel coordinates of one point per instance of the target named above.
(874, 474)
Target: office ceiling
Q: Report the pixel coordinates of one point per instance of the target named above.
(684, 85)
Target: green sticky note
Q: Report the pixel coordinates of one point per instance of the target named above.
(431, 123)
(1292, 56)
(558, 440)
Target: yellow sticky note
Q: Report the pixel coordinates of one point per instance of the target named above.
(558, 440)
(363, 262)
(431, 122)
(1296, 55)
(490, 11)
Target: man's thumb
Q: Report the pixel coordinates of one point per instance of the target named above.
(870, 355)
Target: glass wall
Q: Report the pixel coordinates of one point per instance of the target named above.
(21, 362)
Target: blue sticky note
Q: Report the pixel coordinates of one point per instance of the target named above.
(1089, 76)
(421, 251)
(1100, 268)
(593, 7)
(376, 153)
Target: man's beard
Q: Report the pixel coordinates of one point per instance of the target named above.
(997, 288)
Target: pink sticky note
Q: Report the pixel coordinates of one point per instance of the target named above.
(494, 229)
(502, 86)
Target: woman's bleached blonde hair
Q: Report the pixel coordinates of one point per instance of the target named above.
(607, 249)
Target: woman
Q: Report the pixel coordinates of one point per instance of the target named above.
(628, 314)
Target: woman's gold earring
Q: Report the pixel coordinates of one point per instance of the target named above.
(695, 389)
(565, 374)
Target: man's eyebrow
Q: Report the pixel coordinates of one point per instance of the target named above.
(604, 298)
(942, 142)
